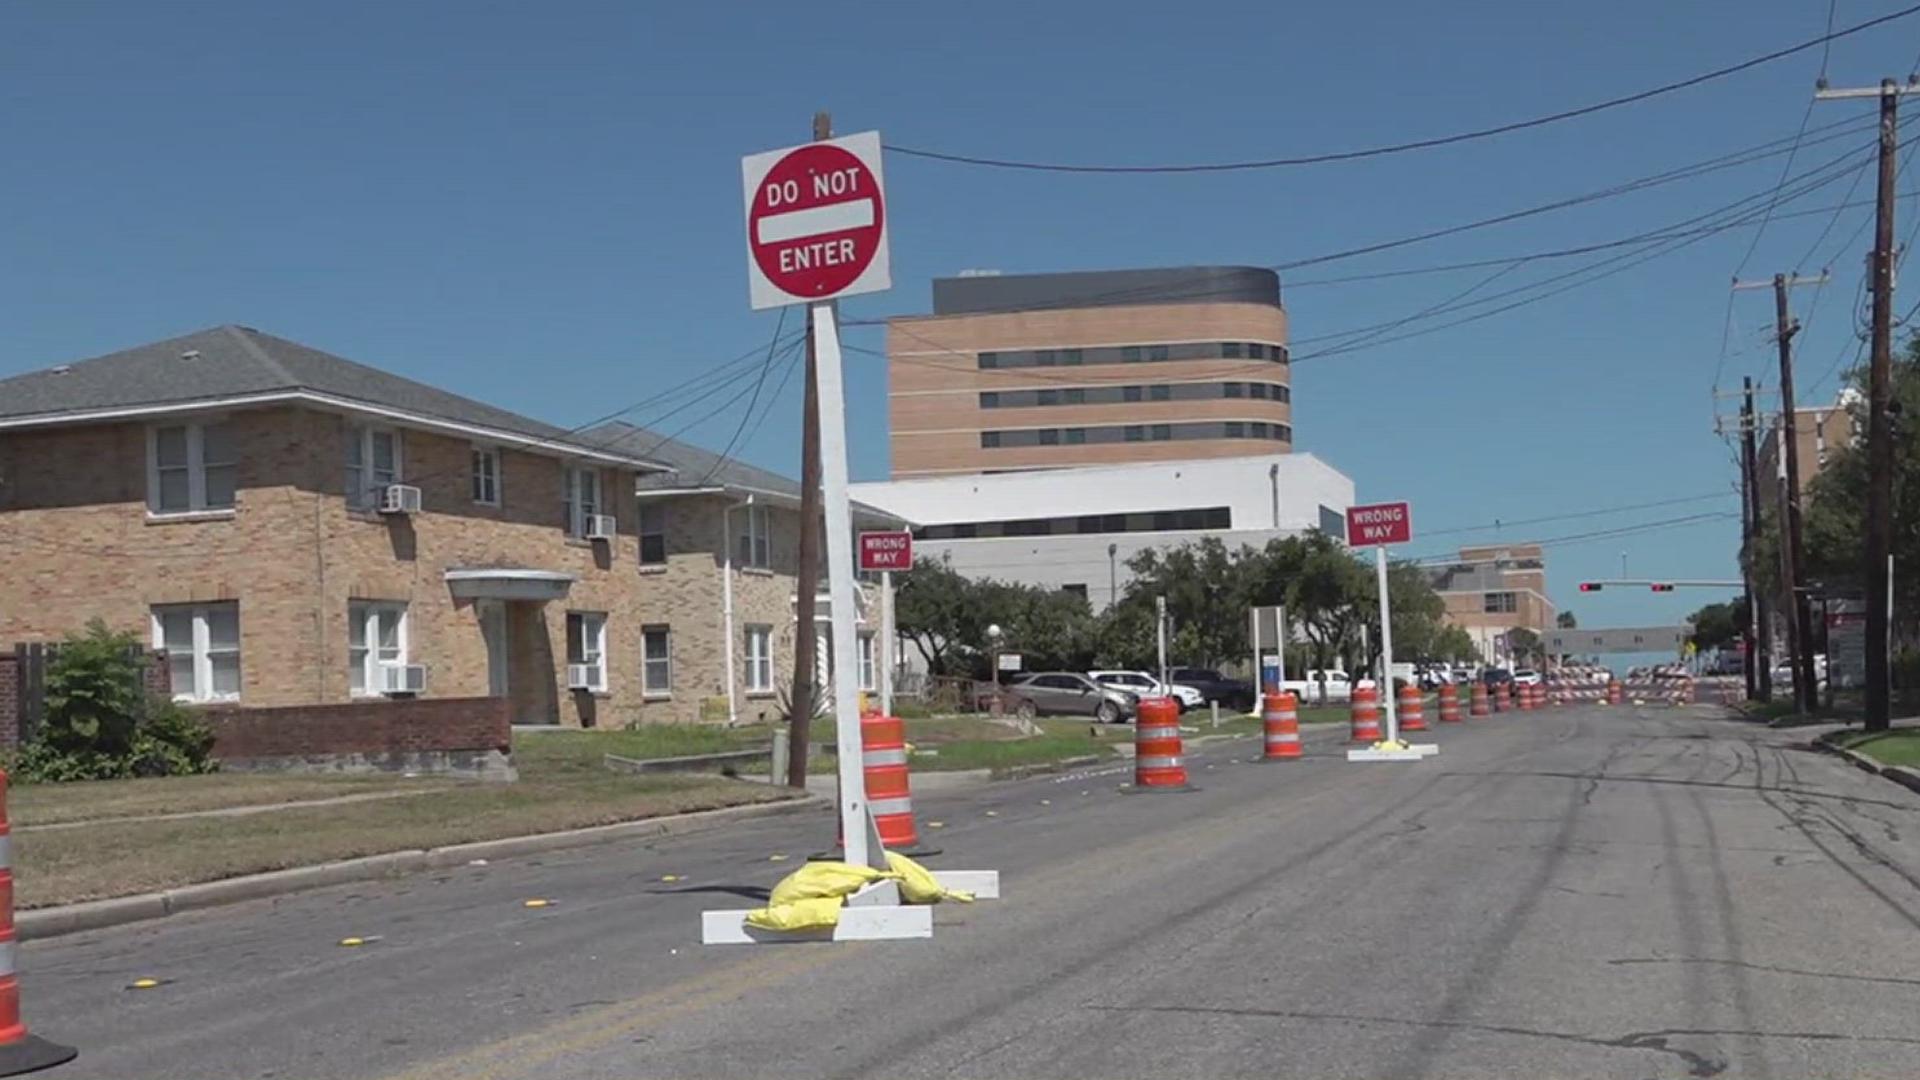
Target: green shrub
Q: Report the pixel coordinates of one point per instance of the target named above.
(99, 723)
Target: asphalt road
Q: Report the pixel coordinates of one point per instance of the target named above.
(1589, 892)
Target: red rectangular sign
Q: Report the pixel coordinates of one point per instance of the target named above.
(1381, 523)
(886, 550)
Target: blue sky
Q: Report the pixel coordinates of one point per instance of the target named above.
(538, 205)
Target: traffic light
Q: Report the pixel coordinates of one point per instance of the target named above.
(1590, 586)
(1662, 586)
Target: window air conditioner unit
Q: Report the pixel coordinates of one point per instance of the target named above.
(583, 677)
(399, 499)
(601, 527)
(403, 678)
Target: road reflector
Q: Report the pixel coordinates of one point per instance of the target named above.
(1046, 802)
(669, 877)
(350, 942)
(535, 903)
(143, 984)
(993, 813)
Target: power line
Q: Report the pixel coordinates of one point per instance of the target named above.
(1826, 49)
(1601, 534)
(1581, 514)
(1418, 144)
(758, 381)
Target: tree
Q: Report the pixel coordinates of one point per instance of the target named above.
(938, 609)
(1207, 599)
(1454, 645)
(1566, 621)
(1717, 626)
(946, 614)
(1522, 643)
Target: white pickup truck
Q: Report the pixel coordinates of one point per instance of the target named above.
(1339, 687)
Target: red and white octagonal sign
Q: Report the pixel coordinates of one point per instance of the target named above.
(816, 221)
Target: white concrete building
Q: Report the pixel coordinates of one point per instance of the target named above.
(1075, 528)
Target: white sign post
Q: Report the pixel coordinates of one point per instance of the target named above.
(816, 230)
(1376, 527)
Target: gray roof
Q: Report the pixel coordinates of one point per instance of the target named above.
(987, 293)
(693, 468)
(236, 362)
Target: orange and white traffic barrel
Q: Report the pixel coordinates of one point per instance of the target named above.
(1529, 697)
(1413, 714)
(883, 762)
(1503, 698)
(1364, 713)
(1480, 704)
(19, 1051)
(1616, 694)
(1449, 704)
(1281, 721)
(1157, 761)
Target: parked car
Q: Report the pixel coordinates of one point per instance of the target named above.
(1433, 677)
(1213, 686)
(1068, 693)
(1526, 677)
(1141, 684)
(1494, 676)
(1339, 686)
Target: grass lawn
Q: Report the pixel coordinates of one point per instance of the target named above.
(52, 804)
(1900, 746)
(562, 786)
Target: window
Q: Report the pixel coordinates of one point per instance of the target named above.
(752, 545)
(203, 649)
(1044, 357)
(587, 644)
(1500, 603)
(1234, 389)
(1078, 589)
(1047, 397)
(989, 360)
(759, 659)
(486, 476)
(1161, 392)
(376, 638)
(867, 671)
(990, 400)
(989, 440)
(583, 497)
(190, 467)
(653, 534)
(1258, 429)
(1282, 433)
(1076, 436)
(1162, 432)
(373, 462)
(1136, 433)
(1232, 350)
(1075, 396)
(1130, 354)
(656, 661)
(1156, 353)
(1049, 436)
(1072, 357)
(1130, 393)
(1236, 430)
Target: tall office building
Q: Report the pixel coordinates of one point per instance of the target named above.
(1035, 371)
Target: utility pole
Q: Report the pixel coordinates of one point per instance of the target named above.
(1879, 396)
(1799, 614)
(1759, 615)
(807, 575)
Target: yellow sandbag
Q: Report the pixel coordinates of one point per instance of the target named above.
(817, 879)
(813, 913)
(919, 886)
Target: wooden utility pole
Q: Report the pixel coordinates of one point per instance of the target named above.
(1879, 395)
(807, 575)
(1805, 698)
(1759, 612)
(1879, 429)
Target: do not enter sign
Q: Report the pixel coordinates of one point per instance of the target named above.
(816, 221)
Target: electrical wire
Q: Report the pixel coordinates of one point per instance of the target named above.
(758, 381)
(1825, 40)
(1826, 49)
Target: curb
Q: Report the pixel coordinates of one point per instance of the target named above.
(1022, 772)
(1900, 774)
(118, 911)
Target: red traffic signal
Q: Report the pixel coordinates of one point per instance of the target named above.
(1590, 586)
(1662, 586)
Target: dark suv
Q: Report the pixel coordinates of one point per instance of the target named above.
(1213, 686)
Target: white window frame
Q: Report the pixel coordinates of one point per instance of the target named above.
(760, 659)
(484, 480)
(194, 434)
(579, 505)
(593, 631)
(202, 649)
(648, 688)
(367, 613)
(868, 657)
(753, 545)
(653, 522)
(363, 483)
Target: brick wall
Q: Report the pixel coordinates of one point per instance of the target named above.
(368, 728)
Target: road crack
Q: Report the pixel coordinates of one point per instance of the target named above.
(1894, 980)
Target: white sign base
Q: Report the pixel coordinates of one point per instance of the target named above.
(1413, 752)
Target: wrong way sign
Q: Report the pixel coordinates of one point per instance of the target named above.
(816, 221)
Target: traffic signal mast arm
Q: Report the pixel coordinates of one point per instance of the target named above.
(1660, 586)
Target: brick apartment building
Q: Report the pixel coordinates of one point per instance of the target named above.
(248, 504)
(1027, 371)
(1493, 589)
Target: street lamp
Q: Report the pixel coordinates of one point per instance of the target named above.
(1113, 588)
(993, 652)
